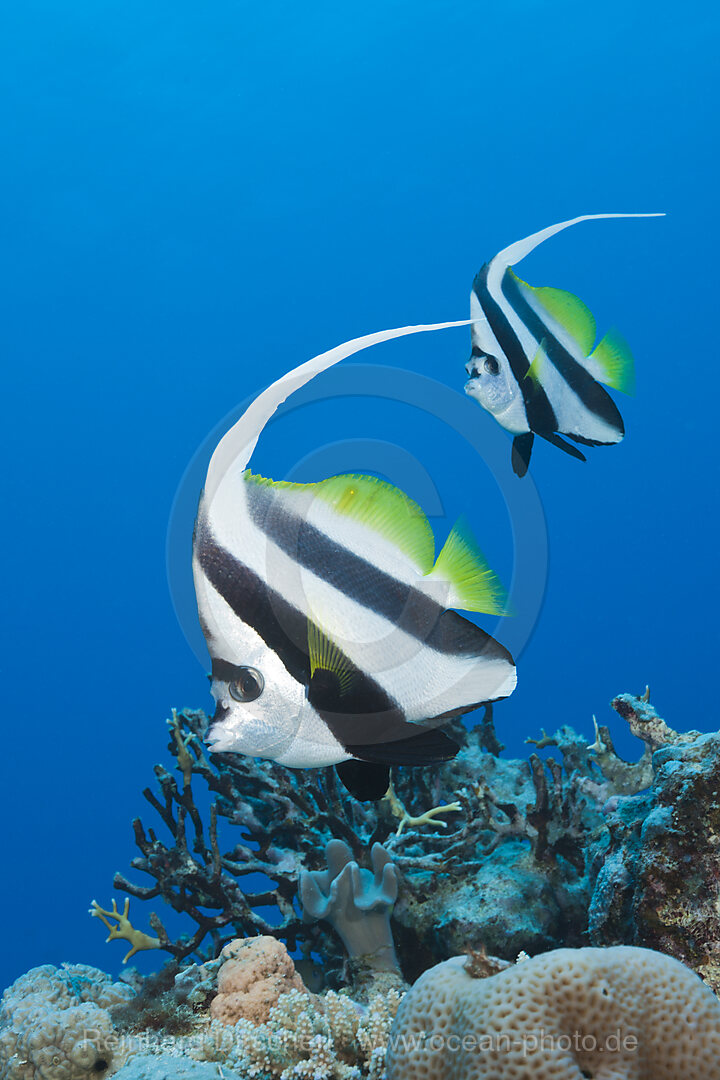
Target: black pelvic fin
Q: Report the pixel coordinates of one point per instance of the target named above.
(555, 439)
(521, 451)
(425, 748)
(587, 442)
(366, 781)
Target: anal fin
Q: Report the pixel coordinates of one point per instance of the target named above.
(554, 438)
(366, 781)
(521, 451)
(426, 748)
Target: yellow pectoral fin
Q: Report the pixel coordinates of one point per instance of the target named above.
(325, 655)
(539, 365)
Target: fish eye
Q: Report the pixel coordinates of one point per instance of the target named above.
(248, 686)
(491, 365)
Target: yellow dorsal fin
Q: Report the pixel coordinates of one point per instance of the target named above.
(325, 655)
(473, 585)
(566, 309)
(377, 505)
(614, 363)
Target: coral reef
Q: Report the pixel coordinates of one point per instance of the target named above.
(254, 974)
(75, 1023)
(55, 1024)
(656, 866)
(488, 853)
(504, 869)
(493, 857)
(278, 823)
(610, 1014)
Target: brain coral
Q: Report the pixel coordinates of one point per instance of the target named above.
(54, 1024)
(255, 973)
(621, 1013)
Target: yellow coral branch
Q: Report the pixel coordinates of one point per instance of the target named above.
(598, 745)
(429, 817)
(184, 758)
(543, 741)
(123, 928)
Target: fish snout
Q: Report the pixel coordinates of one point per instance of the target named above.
(472, 368)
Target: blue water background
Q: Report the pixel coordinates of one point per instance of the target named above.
(196, 197)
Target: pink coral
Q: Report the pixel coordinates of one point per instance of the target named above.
(255, 972)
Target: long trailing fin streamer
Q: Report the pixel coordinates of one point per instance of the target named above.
(235, 449)
(511, 255)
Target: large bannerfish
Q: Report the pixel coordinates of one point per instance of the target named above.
(535, 365)
(326, 613)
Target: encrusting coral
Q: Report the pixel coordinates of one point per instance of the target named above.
(656, 866)
(55, 1024)
(253, 975)
(607, 1014)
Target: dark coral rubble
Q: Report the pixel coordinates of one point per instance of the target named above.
(570, 847)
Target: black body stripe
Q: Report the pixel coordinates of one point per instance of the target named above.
(366, 714)
(281, 626)
(540, 414)
(405, 607)
(594, 398)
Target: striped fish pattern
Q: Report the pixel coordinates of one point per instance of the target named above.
(535, 365)
(328, 617)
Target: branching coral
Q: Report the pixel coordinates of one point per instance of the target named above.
(432, 816)
(326, 1038)
(277, 818)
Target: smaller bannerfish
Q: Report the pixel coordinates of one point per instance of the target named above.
(325, 612)
(535, 365)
